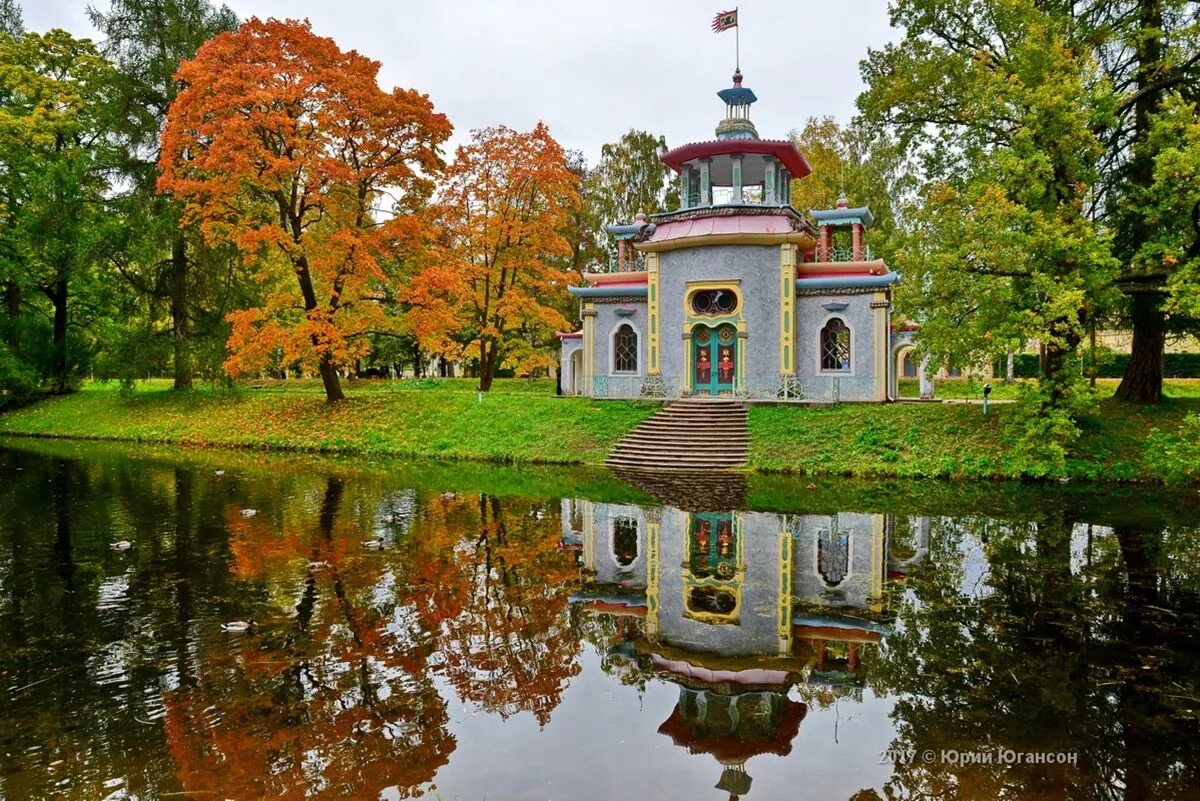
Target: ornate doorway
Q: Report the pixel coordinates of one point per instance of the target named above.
(714, 359)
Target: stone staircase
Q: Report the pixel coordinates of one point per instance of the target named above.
(687, 435)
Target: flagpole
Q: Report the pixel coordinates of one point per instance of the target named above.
(737, 39)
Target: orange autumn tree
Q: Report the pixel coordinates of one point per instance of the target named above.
(501, 260)
(286, 146)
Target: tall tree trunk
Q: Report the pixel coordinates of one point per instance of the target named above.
(12, 305)
(329, 376)
(1142, 382)
(179, 312)
(58, 296)
(1144, 375)
(1092, 369)
(487, 364)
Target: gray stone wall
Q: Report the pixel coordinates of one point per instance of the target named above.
(618, 385)
(604, 562)
(757, 267)
(755, 631)
(811, 315)
(853, 593)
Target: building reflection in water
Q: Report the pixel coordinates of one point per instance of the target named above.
(745, 611)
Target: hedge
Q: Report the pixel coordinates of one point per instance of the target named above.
(1109, 365)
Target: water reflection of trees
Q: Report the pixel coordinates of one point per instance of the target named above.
(1048, 637)
(335, 695)
(334, 700)
(493, 603)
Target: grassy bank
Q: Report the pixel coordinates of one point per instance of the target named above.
(523, 422)
(1118, 442)
(421, 420)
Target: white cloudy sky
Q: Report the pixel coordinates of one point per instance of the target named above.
(591, 70)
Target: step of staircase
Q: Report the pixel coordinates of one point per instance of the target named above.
(690, 435)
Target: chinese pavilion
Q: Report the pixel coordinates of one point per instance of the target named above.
(737, 293)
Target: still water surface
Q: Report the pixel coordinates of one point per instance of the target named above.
(519, 634)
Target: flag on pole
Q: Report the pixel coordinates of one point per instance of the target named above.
(724, 21)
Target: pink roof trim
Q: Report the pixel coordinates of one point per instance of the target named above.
(732, 224)
(572, 335)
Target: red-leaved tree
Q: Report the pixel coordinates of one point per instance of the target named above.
(285, 145)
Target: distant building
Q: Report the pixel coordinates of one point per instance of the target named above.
(736, 293)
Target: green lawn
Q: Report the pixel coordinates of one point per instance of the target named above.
(508, 424)
(522, 421)
(959, 441)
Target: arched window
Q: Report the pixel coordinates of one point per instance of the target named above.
(833, 555)
(625, 350)
(835, 346)
(625, 541)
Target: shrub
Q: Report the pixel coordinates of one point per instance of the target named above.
(1176, 456)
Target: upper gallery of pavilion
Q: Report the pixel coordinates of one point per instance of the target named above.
(735, 188)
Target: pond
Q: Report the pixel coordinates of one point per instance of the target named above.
(465, 632)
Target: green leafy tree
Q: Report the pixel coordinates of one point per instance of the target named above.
(55, 156)
(856, 159)
(12, 22)
(1170, 204)
(147, 40)
(1002, 108)
(1149, 51)
(629, 178)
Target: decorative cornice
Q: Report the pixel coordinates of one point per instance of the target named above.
(708, 240)
(606, 300)
(849, 290)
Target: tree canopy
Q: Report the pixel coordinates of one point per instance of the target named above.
(285, 146)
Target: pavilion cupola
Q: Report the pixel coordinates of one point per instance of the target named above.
(736, 169)
(829, 221)
(738, 99)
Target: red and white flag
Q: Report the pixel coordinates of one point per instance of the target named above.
(724, 21)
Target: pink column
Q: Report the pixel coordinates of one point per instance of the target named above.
(620, 255)
(858, 241)
(826, 241)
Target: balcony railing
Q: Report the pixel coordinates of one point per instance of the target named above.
(771, 387)
(634, 262)
(827, 255)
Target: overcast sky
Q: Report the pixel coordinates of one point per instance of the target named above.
(590, 70)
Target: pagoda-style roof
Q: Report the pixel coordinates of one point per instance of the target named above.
(843, 216)
(697, 672)
(788, 154)
(737, 95)
(733, 747)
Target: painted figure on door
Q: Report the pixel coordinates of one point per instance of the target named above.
(725, 366)
(703, 368)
